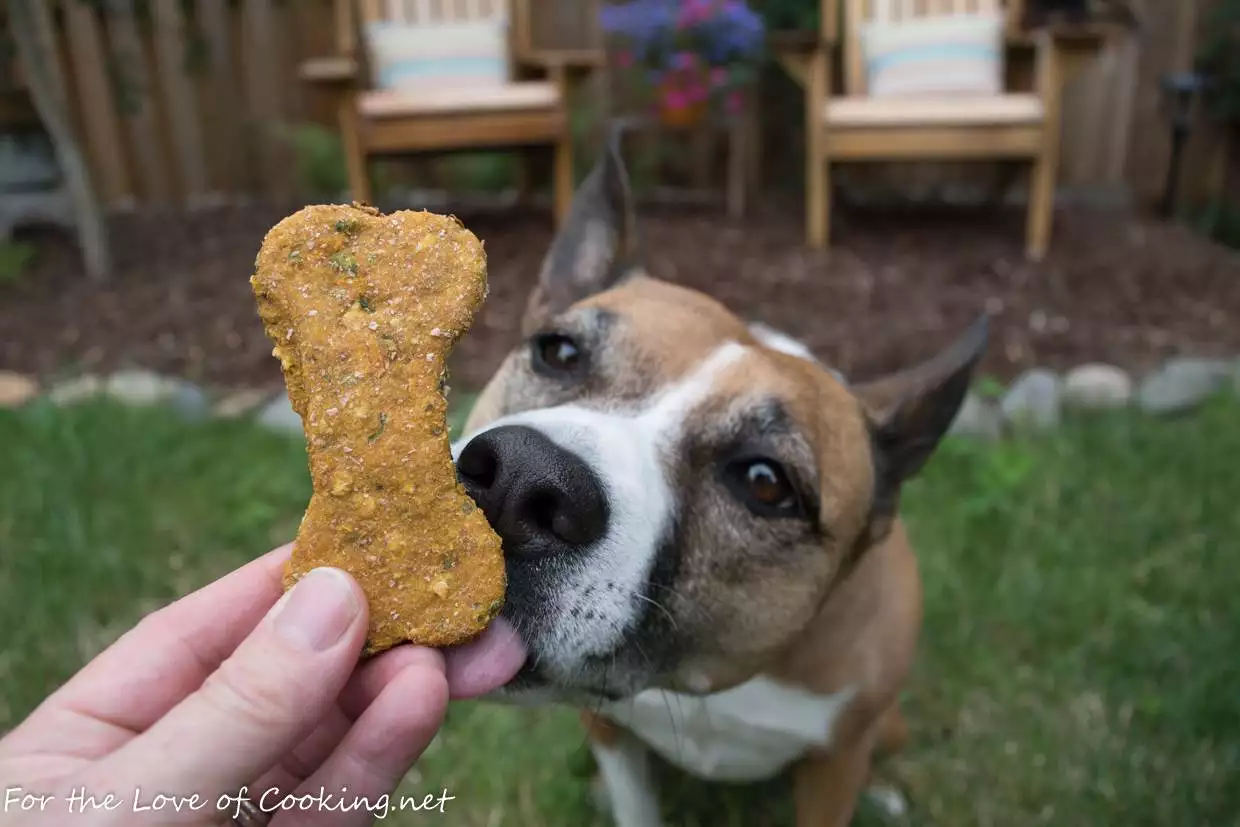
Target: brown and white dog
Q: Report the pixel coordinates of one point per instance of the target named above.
(700, 525)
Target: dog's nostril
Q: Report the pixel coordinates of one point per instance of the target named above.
(542, 509)
(553, 513)
(568, 529)
(478, 465)
(540, 498)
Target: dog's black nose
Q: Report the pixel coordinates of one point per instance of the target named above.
(539, 498)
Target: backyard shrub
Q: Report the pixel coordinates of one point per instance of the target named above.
(15, 257)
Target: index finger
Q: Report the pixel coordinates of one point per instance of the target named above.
(169, 653)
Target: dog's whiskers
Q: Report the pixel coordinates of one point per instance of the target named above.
(660, 607)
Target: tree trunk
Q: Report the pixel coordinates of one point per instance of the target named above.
(31, 26)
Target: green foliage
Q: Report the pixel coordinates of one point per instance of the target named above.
(1219, 221)
(15, 257)
(482, 171)
(320, 158)
(990, 387)
(790, 15)
(1077, 665)
(1219, 57)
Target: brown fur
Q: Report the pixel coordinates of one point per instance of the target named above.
(839, 610)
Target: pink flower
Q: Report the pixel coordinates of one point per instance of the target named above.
(675, 99)
(693, 12)
(736, 102)
(718, 76)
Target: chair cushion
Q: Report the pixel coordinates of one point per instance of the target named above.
(937, 55)
(988, 110)
(428, 55)
(508, 97)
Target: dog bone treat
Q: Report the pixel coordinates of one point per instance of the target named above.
(363, 309)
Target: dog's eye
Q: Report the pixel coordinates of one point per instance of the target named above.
(763, 485)
(557, 354)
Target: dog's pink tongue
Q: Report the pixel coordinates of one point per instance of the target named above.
(485, 664)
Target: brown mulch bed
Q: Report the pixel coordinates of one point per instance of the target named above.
(1119, 289)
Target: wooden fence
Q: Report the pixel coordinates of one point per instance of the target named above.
(186, 102)
(189, 101)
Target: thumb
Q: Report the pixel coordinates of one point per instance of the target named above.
(262, 701)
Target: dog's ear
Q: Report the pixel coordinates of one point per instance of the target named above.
(909, 413)
(594, 249)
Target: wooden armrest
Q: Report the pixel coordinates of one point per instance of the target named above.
(794, 42)
(329, 70)
(565, 58)
(1049, 68)
(1084, 36)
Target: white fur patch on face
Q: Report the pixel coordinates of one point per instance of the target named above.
(783, 343)
(627, 450)
(747, 733)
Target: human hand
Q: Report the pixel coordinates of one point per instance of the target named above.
(236, 686)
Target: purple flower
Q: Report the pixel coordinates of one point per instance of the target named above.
(683, 34)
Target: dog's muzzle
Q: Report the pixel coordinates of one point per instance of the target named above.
(542, 500)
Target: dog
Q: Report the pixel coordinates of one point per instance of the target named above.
(700, 525)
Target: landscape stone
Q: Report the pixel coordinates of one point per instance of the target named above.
(278, 415)
(1097, 386)
(75, 390)
(1182, 384)
(16, 389)
(977, 418)
(1035, 399)
(139, 387)
(190, 401)
(240, 403)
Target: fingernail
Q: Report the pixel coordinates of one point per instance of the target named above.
(317, 612)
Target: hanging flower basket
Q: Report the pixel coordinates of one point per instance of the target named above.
(683, 60)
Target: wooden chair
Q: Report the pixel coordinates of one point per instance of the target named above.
(515, 114)
(1011, 125)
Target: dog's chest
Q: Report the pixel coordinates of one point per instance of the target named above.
(747, 733)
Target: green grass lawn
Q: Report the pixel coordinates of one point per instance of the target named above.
(1080, 662)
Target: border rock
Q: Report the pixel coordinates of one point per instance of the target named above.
(1183, 384)
(977, 418)
(1034, 400)
(1097, 386)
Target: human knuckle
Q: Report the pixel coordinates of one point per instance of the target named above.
(253, 691)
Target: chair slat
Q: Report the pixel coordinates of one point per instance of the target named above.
(416, 12)
(857, 13)
(372, 10)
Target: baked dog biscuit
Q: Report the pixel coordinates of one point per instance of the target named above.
(363, 309)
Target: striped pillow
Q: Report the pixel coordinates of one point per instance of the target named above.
(409, 56)
(941, 55)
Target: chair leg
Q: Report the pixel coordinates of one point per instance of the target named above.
(1041, 206)
(737, 173)
(526, 175)
(563, 179)
(818, 202)
(356, 167)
